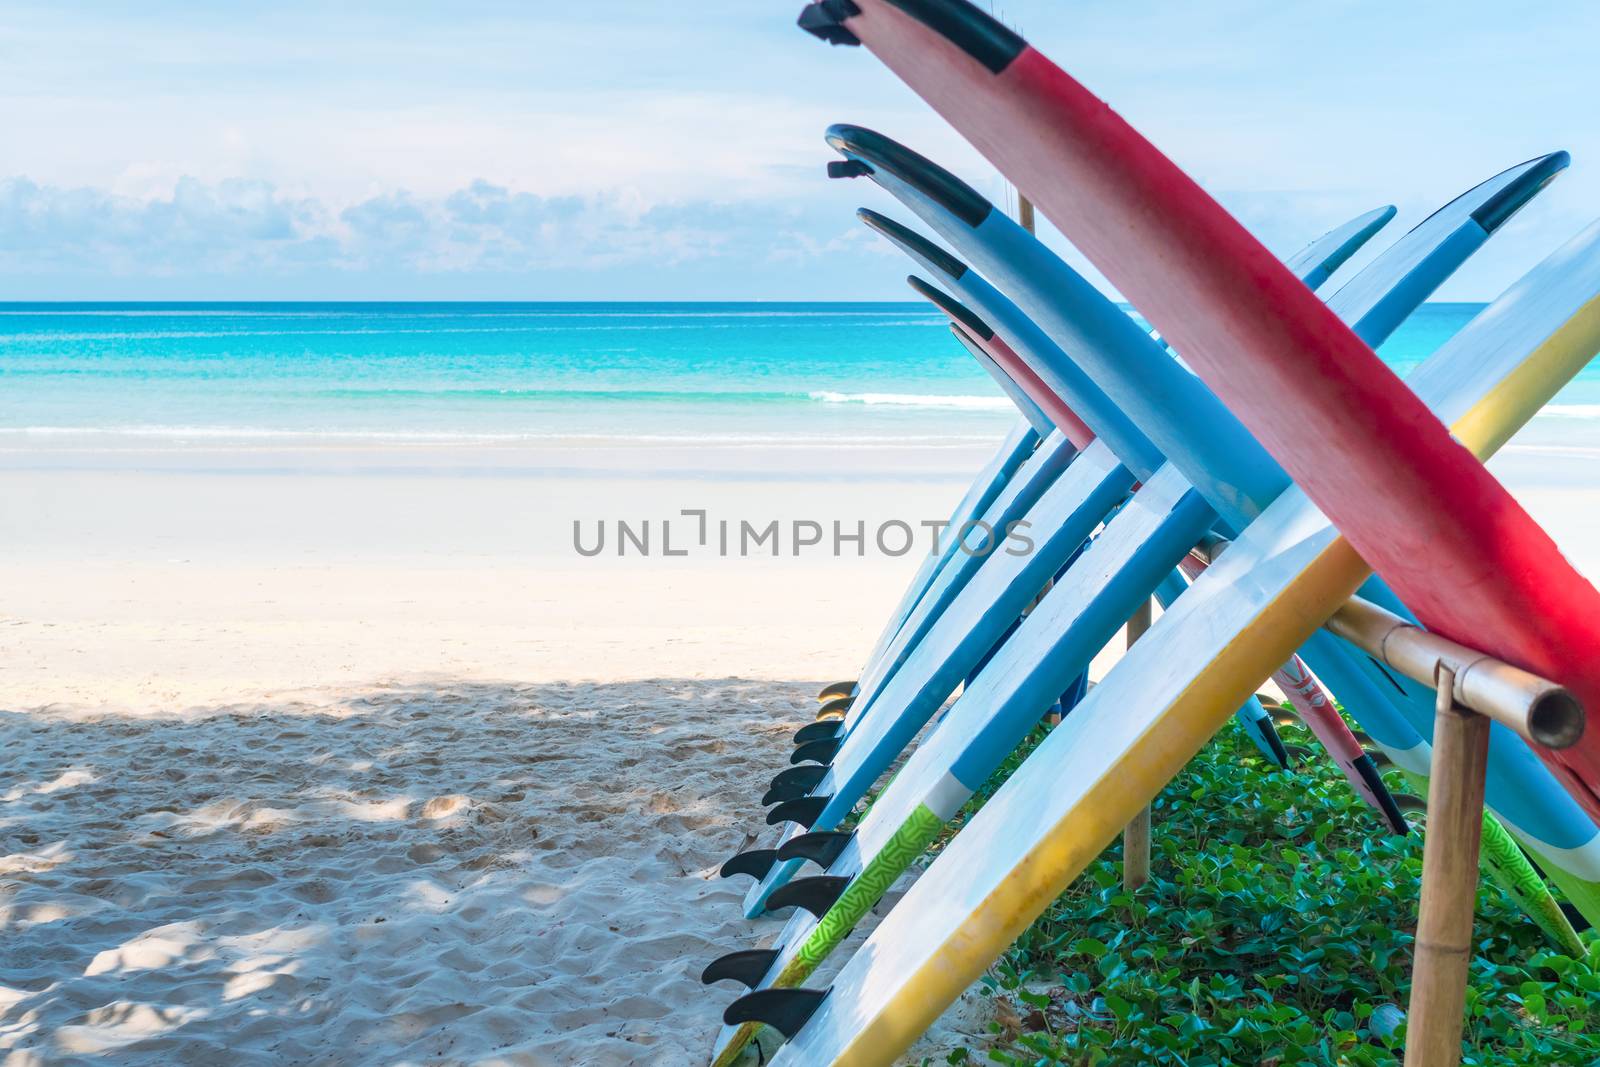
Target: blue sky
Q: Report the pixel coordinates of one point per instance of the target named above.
(634, 150)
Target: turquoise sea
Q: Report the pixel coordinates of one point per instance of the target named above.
(148, 375)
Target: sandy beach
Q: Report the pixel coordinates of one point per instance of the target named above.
(346, 756)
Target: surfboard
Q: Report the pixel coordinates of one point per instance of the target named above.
(967, 548)
(978, 616)
(979, 731)
(1530, 801)
(1138, 546)
(1066, 379)
(807, 799)
(1318, 714)
(1001, 354)
(1173, 689)
(1019, 444)
(1273, 353)
(1008, 384)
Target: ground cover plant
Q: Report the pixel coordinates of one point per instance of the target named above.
(1276, 929)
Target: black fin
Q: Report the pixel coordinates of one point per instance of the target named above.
(803, 810)
(785, 1010)
(1282, 716)
(1412, 804)
(1298, 753)
(848, 168)
(747, 967)
(822, 730)
(838, 705)
(821, 847)
(816, 894)
(756, 863)
(1391, 811)
(819, 751)
(836, 689)
(794, 783)
(1275, 743)
(825, 20)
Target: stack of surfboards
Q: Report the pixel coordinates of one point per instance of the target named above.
(1257, 413)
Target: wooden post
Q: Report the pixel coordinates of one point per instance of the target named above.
(1449, 882)
(1025, 213)
(1136, 835)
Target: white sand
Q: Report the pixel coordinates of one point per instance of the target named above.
(347, 758)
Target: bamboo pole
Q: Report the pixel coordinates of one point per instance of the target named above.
(1449, 882)
(1136, 835)
(1539, 710)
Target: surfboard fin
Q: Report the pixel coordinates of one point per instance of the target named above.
(848, 168)
(825, 730)
(1298, 753)
(834, 690)
(747, 967)
(756, 863)
(785, 1010)
(825, 20)
(820, 751)
(794, 783)
(1413, 804)
(1266, 738)
(802, 810)
(816, 894)
(1282, 716)
(836, 706)
(1391, 811)
(821, 847)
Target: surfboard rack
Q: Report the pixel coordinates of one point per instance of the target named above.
(801, 810)
(817, 751)
(756, 863)
(794, 783)
(815, 894)
(746, 967)
(821, 730)
(785, 1010)
(1538, 710)
(821, 847)
(825, 21)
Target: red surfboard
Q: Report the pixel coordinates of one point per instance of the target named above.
(1419, 507)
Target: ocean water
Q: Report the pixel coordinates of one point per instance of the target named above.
(179, 375)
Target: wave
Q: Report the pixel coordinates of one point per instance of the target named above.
(915, 400)
(184, 335)
(844, 311)
(279, 435)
